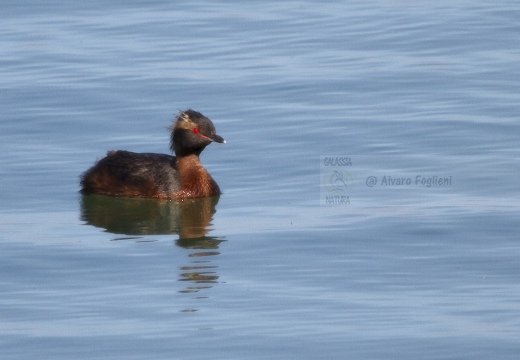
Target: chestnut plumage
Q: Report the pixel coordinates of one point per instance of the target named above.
(161, 176)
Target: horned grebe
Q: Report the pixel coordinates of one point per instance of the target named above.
(160, 176)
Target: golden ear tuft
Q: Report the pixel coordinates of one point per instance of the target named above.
(183, 116)
(183, 122)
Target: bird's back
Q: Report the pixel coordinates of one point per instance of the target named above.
(125, 173)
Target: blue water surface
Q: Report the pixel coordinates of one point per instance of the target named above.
(299, 258)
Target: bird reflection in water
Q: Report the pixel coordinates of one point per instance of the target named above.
(190, 219)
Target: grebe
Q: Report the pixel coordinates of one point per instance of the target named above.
(159, 176)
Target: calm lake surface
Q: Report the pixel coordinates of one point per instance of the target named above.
(370, 205)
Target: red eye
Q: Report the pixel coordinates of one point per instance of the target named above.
(195, 130)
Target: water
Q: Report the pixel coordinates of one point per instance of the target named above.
(270, 270)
